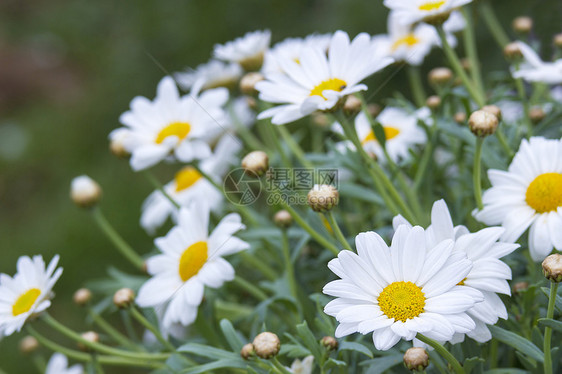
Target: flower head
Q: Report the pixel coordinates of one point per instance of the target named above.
(27, 293)
(536, 70)
(430, 11)
(528, 194)
(58, 364)
(248, 51)
(212, 74)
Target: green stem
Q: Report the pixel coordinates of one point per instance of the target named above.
(111, 331)
(457, 67)
(156, 184)
(457, 368)
(476, 173)
(247, 136)
(294, 146)
(523, 97)
(117, 240)
(426, 158)
(280, 368)
(289, 264)
(266, 270)
(337, 231)
(416, 85)
(471, 51)
(503, 142)
(493, 23)
(251, 288)
(548, 330)
(101, 347)
(153, 329)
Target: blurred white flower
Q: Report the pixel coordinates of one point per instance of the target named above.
(191, 259)
(172, 125)
(413, 11)
(58, 364)
(213, 74)
(302, 367)
(248, 50)
(534, 69)
(290, 49)
(318, 82)
(27, 293)
(529, 193)
(395, 293)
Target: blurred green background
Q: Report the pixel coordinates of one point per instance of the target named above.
(68, 69)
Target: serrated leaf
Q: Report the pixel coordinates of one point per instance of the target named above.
(381, 364)
(357, 347)
(231, 335)
(518, 342)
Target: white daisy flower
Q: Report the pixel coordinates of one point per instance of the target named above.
(27, 293)
(413, 11)
(190, 260)
(302, 367)
(489, 274)
(248, 51)
(400, 128)
(536, 70)
(290, 49)
(395, 293)
(58, 364)
(172, 125)
(189, 185)
(318, 82)
(239, 112)
(529, 193)
(213, 74)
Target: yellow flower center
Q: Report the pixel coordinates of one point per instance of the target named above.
(389, 133)
(461, 283)
(544, 194)
(431, 5)
(408, 40)
(179, 129)
(186, 178)
(334, 84)
(402, 301)
(25, 301)
(192, 260)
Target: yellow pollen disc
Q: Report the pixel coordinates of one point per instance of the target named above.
(179, 129)
(431, 5)
(334, 84)
(402, 301)
(544, 194)
(408, 40)
(389, 133)
(186, 178)
(25, 301)
(192, 260)
(461, 283)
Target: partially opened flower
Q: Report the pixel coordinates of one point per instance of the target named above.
(172, 126)
(28, 293)
(430, 11)
(489, 274)
(536, 70)
(317, 81)
(290, 49)
(58, 364)
(212, 74)
(528, 194)
(248, 51)
(190, 260)
(395, 293)
(189, 185)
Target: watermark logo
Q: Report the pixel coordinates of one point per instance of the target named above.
(242, 187)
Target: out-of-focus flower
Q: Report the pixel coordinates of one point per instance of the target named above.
(27, 293)
(58, 364)
(302, 367)
(189, 185)
(533, 69)
(172, 125)
(529, 193)
(213, 74)
(318, 82)
(248, 50)
(395, 293)
(191, 259)
(430, 11)
(489, 274)
(84, 191)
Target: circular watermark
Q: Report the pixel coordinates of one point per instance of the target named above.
(242, 187)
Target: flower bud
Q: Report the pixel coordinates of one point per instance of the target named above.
(437, 19)
(117, 145)
(482, 123)
(82, 296)
(536, 114)
(323, 197)
(522, 24)
(557, 40)
(248, 83)
(90, 336)
(466, 64)
(440, 77)
(552, 267)
(252, 102)
(352, 105)
(433, 102)
(283, 219)
(329, 342)
(520, 287)
(416, 358)
(247, 351)
(374, 109)
(252, 63)
(266, 345)
(255, 163)
(460, 118)
(28, 344)
(84, 191)
(123, 298)
(495, 110)
(320, 119)
(512, 52)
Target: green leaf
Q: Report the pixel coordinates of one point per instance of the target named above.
(518, 342)
(357, 347)
(220, 364)
(177, 362)
(557, 302)
(527, 362)
(208, 351)
(378, 130)
(332, 363)
(506, 371)
(470, 363)
(358, 192)
(293, 350)
(231, 335)
(381, 364)
(309, 341)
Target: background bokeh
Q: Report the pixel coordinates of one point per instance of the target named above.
(69, 68)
